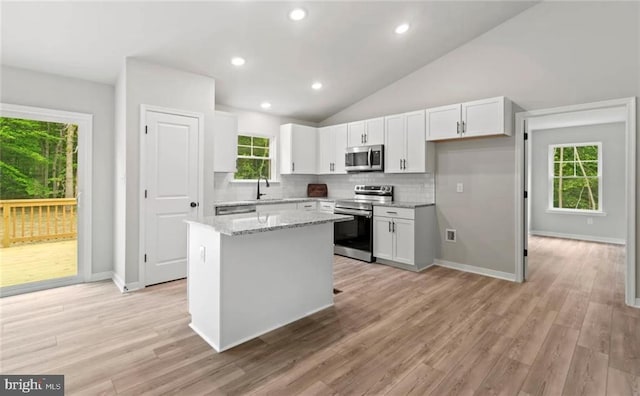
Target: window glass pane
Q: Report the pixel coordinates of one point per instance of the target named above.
(575, 179)
(244, 150)
(587, 153)
(261, 142)
(590, 169)
(567, 169)
(250, 168)
(567, 153)
(244, 140)
(260, 152)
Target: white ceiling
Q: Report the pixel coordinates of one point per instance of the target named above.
(349, 46)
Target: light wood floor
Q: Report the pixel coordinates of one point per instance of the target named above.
(393, 332)
(37, 261)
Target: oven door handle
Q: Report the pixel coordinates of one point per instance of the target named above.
(370, 157)
(353, 212)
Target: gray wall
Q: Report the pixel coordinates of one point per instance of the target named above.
(150, 84)
(553, 54)
(28, 88)
(609, 227)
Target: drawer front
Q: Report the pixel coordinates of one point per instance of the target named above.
(307, 206)
(390, 211)
(326, 206)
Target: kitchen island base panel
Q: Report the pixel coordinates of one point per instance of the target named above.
(243, 286)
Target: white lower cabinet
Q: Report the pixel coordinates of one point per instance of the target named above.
(308, 206)
(404, 237)
(326, 206)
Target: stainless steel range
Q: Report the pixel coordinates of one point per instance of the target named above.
(355, 238)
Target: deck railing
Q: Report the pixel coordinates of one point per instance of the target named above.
(32, 220)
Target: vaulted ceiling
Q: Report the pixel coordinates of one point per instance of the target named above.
(350, 47)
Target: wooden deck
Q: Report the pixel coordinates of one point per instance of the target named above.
(37, 261)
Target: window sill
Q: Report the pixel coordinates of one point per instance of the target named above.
(577, 212)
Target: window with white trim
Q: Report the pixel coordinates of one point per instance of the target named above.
(575, 177)
(254, 157)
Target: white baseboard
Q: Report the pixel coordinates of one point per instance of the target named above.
(118, 282)
(100, 276)
(637, 304)
(204, 337)
(476, 270)
(588, 238)
(125, 288)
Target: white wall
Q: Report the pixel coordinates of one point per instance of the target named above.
(553, 54)
(612, 226)
(156, 85)
(28, 88)
(288, 186)
(120, 176)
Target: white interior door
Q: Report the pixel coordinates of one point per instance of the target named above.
(171, 183)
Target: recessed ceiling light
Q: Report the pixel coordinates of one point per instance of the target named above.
(402, 29)
(316, 85)
(297, 14)
(265, 105)
(237, 61)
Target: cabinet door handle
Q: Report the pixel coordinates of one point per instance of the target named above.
(457, 127)
(400, 164)
(404, 164)
(389, 226)
(389, 212)
(393, 226)
(463, 127)
(365, 137)
(293, 167)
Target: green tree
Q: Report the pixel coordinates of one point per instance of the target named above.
(37, 159)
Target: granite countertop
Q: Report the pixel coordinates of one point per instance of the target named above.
(268, 201)
(408, 205)
(251, 223)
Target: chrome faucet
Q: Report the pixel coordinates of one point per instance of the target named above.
(258, 195)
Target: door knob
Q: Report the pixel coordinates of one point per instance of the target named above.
(193, 204)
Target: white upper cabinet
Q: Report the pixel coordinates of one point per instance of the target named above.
(225, 142)
(486, 117)
(339, 148)
(298, 148)
(332, 145)
(325, 150)
(395, 143)
(443, 122)
(405, 148)
(366, 133)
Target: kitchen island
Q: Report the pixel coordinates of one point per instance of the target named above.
(251, 273)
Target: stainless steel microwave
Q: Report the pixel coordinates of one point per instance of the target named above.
(365, 159)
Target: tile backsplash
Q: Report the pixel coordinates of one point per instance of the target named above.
(418, 187)
(407, 187)
(289, 186)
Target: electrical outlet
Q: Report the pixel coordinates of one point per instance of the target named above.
(459, 187)
(450, 235)
(589, 220)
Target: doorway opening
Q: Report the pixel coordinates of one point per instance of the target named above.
(43, 161)
(576, 171)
